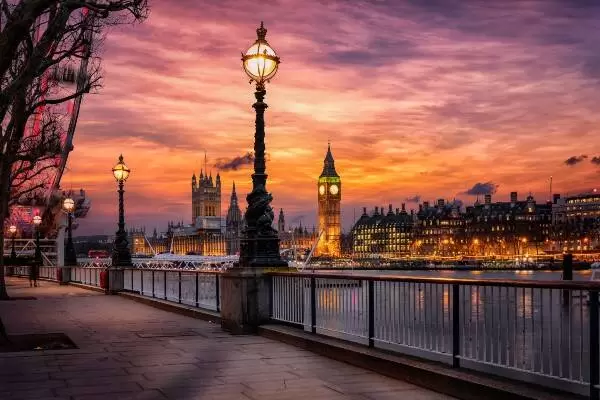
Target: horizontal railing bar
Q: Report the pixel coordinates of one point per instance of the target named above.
(576, 285)
(190, 271)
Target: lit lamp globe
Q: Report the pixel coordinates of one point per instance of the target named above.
(260, 61)
(37, 220)
(69, 205)
(12, 229)
(120, 171)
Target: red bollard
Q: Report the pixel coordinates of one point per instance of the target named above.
(104, 279)
(59, 275)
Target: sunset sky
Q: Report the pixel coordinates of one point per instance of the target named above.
(418, 101)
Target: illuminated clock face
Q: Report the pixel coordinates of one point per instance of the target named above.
(322, 189)
(334, 189)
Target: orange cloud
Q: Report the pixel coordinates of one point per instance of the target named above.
(414, 98)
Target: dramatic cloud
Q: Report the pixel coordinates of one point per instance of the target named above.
(596, 160)
(414, 199)
(574, 160)
(430, 114)
(234, 163)
(479, 189)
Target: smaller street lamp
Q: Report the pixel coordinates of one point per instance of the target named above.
(70, 256)
(37, 221)
(13, 254)
(121, 256)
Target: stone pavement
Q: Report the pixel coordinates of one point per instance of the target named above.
(128, 350)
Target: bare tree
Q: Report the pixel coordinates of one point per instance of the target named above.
(37, 38)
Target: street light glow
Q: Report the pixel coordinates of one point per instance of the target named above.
(260, 61)
(69, 205)
(37, 220)
(120, 171)
(12, 229)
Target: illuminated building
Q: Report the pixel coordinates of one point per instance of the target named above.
(234, 223)
(576, 223)
(181, 239)
(439, 229)
(207, 235)
(206, 202)
(508, 228)
(382, 235)
(296, 238)
(443, 230)
(329, 194)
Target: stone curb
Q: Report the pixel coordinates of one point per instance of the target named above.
(461, 383)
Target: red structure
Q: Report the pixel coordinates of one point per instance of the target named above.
(68, 77)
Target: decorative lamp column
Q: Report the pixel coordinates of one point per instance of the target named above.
(70, 255)
(260, 242)
(121, 256)
(13, 254)
(37, 221)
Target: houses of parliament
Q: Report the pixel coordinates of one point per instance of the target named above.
(211, 234)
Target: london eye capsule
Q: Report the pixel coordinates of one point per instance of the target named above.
(64, 74)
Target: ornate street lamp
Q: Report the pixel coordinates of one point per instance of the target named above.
(70, 256)
(37, 221)
(121, 257)
(13, 254)
(260, 242)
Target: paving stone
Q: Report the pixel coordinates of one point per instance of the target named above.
(105, 380)
(99, 389)
(145, 395)
(122, 355)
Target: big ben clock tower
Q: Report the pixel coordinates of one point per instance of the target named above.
(329, 190)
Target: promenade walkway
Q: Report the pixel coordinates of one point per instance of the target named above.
(127, 350)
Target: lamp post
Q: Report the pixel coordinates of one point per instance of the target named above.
(37, 220)
(70, 256)
(260, 242)
(13, 254)
(121, 257)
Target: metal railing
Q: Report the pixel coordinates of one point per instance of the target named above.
(44, 272)
(89, 275)
(26, 248)
(194, 288)
(535, 331)
(173, 262)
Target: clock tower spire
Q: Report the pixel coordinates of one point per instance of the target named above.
(329, 196)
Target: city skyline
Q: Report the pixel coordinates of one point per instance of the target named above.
(411, 109)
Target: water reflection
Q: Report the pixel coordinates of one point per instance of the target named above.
(523, 328)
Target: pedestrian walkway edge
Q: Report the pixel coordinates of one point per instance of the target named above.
(459, 383)
(181, 309)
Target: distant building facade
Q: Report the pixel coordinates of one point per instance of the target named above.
(383, 234)
(295, 238)
(206, 202)
(576, 222)
(329, 195)
(208, 234)
(444, 229)
(234, 223)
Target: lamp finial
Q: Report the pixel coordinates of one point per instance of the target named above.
(261, 32)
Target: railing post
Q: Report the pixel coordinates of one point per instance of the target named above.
(153, 284)
(594, 346)
(179, 295)
(197, 303)
(455, 325)
(165, 285)
(142, 282)
(313, 304)
(270, 283)
(371, 313)
(217, 293)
